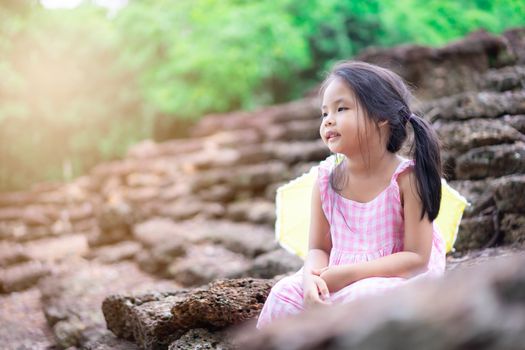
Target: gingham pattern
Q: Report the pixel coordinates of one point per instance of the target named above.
(360, 232)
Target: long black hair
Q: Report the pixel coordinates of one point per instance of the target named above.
(384, 95)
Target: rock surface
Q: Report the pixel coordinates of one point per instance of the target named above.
(203, 339)
(155, 320)
(72, 298)
(224, 303)
(24, 326)
(460, 311)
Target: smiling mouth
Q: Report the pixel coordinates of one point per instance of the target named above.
(331, 136)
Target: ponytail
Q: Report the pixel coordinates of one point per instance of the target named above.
(427, 165)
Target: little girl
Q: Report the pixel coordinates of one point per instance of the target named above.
(372, 214)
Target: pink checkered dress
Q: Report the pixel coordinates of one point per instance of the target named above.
(360, 232)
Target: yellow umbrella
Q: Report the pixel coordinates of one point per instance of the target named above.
(293, 213)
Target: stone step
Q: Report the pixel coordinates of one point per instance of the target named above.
(491, 161)
(297, 130)
(469, 105)
(47, 249)
(516, 121)
(241, 177)
(72, 299)
(502, 79)
(22, 276)
(458, 137)
(148, 149)
(151, 323)
(260, 119)
(496, 213)
(515, 38)
(11, 254)
(125, 250)
(204, 263)
(157, 320)
(18, 231)
(512, 226)
(118, 310)
(53, 249)
(23, 323)
(225, 157)
(510, 193)
(446, 70)
(476, 232)
(296, 152)
(203, 338)
(255, 211)
(166, 241)
(158, 230)
(189, 208)
(271, 264)
(247, 239)
(243, 238)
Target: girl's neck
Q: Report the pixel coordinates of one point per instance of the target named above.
(374, 163)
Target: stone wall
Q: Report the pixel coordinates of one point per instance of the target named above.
(192, 219)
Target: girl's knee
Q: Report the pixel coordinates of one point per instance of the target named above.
(286, 285)
(285, 298)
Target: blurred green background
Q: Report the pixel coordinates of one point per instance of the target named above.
(80, 85)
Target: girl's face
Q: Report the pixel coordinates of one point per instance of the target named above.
(343, 124)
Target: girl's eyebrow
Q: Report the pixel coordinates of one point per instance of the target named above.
(335, 102)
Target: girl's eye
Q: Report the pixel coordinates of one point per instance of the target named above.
(323, 115)
(341, 108)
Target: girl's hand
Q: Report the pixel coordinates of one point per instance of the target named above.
(318, 272)
(315, 292)
(335, 277)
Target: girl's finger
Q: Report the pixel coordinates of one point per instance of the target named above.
(326, 301)
(321, 301)
(312, 300)
(323, 289)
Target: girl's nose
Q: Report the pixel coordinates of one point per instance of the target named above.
(328, 120)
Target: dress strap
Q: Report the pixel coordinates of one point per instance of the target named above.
(327, 194)
(402, 167)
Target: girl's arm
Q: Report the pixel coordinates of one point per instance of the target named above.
(320, 241)
(417, 246)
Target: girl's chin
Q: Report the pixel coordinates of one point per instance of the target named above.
(334, 145)
(337, 149)
(334, 149)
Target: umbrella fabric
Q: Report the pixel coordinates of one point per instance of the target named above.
(293, 213)
(450, 212)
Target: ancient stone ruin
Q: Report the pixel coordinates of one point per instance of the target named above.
(173, 246)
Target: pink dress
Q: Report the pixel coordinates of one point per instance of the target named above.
(360, 232)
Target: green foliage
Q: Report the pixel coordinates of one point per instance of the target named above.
(64, 97)
(78, 87)
(210, 56)
(204, 56)
(334, 30)
(435, 22)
